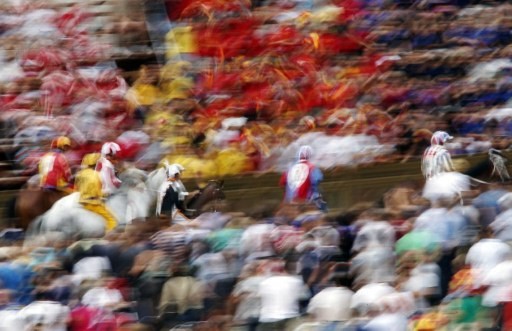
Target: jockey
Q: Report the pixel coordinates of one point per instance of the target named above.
(302, 179)
(105, 167)
(54, 168)
(436, 158)
(172, 193)
(88, 183)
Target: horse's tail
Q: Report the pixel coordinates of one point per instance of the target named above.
(36, 226)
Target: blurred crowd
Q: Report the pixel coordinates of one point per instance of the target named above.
(402, 264)
(244, 84)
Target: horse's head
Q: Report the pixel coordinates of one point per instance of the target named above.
(132, 177)
(215, 189)
(210, 193)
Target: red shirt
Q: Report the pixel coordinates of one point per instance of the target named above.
(54, 171)
(300, 181)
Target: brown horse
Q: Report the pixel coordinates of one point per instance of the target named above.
(211, 192)
(32, 202)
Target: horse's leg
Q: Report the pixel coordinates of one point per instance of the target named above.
(33, 203)
(11, 212)
(29, 205)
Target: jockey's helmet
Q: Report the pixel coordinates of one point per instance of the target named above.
(90, 160)
(110, 148)
(305, 152)
(440, 137)
(61, 142)
(179, 166)
(174, 169)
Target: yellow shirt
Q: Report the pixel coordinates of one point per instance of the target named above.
(178, 88)
(143, 94)
(88, 183)
(181, 40)
(231, 161)
(195, 167)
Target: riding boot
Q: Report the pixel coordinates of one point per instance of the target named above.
(110, 220)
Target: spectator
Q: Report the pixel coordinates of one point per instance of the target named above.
(183, 294)
(280, 296)
(331, 306)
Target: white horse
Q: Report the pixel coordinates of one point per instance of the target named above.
(129, 202)
(155, 180)
(135, 199)
(447, 185)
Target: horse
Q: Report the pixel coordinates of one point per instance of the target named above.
(135, 199)
(192, 205)
(67, 214)
(211, 192)
(457, 184)
(32, 202)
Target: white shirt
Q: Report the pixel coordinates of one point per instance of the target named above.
(367, 296)
(108, 176)
(423, 278)
(386, 322)
(331, 304)
(256, 238)
(212, 266)
(280, 297)
(374, 233)
(101, 297)
(502, 226)
(434, 220)
(326, 235)
(485, 255)
(51, 314)
(250, 304)
(91, 268)
(499, 280)
(373, 265)
(11, 320)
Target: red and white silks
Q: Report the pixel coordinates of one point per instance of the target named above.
(55, 91)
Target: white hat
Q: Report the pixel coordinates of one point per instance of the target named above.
(110, 148)
(179, 166)
(305, 152)
(173, 169)
(440, 137)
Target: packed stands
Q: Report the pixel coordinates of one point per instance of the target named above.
(360, 82)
